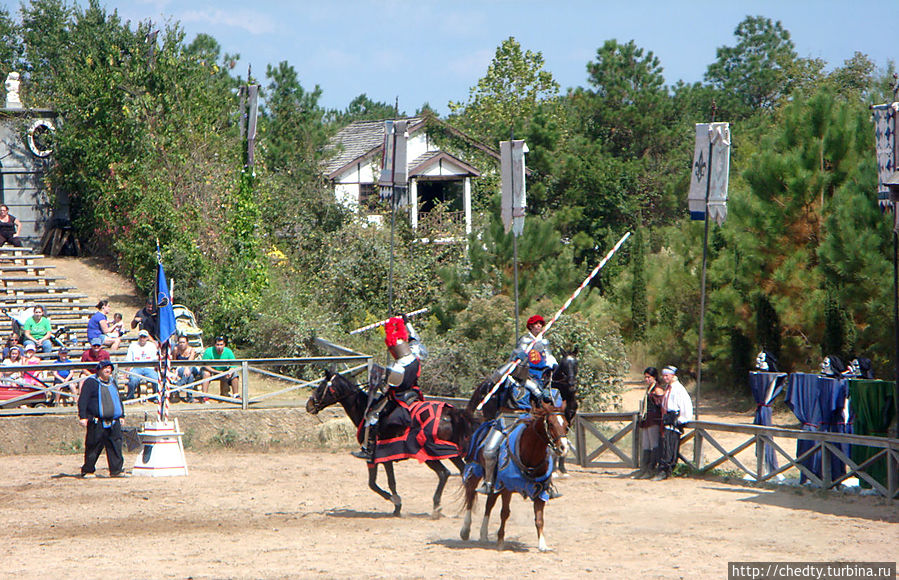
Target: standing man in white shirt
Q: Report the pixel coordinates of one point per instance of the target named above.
(143, 350)
(677, 409)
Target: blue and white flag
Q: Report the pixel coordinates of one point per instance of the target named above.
(164, 303)
(710, 176)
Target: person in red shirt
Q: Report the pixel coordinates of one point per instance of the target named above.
(94, 354)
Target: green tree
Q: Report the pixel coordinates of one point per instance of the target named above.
(362, 108)
(755, 73)
(638, 293)
(295, 133)
(628, 109)
(508, 95)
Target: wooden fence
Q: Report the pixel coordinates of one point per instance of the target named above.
(609, 440)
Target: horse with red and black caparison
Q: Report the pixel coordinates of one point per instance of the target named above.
(429, 431)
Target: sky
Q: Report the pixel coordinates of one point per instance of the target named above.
(434, 51)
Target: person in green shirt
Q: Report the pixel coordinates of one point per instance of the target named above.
(37, 329)
(229, 382)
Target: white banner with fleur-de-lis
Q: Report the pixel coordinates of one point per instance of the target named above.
(712, 176)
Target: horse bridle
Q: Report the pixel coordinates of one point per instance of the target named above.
(315, 399)
(549, 440)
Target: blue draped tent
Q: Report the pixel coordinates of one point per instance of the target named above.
(765, 388)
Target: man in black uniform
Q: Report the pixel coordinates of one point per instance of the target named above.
(100, 411)
(147, 318)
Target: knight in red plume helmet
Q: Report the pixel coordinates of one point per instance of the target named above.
(402, 379)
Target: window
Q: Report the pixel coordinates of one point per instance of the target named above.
(368, 196)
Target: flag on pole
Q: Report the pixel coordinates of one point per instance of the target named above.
(386, 179)
(514, 192)
(885, 147)
(710, 175)
(167, 328)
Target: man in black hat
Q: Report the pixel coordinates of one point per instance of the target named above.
(100, 411)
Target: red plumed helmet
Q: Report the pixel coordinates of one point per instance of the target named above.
(395, 331)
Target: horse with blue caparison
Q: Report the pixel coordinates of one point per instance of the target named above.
(525, 466)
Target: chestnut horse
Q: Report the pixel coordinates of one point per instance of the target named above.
(456, 426)
(527, 469)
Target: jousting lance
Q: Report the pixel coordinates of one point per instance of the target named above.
(555, 317)
(383, 322)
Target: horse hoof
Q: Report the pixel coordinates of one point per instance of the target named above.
(397, 510)
(464, 534)
(436, 514)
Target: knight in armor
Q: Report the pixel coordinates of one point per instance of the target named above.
(526, 386)
(407, 351)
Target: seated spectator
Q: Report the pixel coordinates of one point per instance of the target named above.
(37, 329)
(230, 379)
(61, 376)
(184, 351)
(14, 360)
(10, 227)
(147, 318)
(142, 351)
(33, 378)
(11, 341)
(117, 328)
(94, 354)
(99, 327)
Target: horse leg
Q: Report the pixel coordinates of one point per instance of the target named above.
(373, 481)
(538, 521)
(459, 463)
(503, 515)
(391, 483)
(470, 496)
(442, 475)
(488, 507)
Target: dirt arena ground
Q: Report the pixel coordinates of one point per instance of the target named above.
(309, 515)
(278, 505)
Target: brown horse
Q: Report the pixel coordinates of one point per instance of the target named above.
(456, 426)
(564, 380)
(537, 436)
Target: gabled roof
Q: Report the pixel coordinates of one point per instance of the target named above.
(358, 141)
(422, 163)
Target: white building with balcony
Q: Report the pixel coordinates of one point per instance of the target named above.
(437, 179)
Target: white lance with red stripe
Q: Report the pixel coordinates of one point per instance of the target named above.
(555, 317)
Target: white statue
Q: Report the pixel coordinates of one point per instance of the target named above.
(12, 91)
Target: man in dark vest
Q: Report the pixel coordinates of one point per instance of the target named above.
(100, 411)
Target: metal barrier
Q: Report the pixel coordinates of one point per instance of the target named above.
(353, 363)
(758, 438)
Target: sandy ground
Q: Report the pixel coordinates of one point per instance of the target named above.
(309, 514)
(290, 513)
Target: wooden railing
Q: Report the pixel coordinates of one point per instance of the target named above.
(615, 434)
(441, 224)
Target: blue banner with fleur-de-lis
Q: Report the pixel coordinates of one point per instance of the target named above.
(709, 172)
